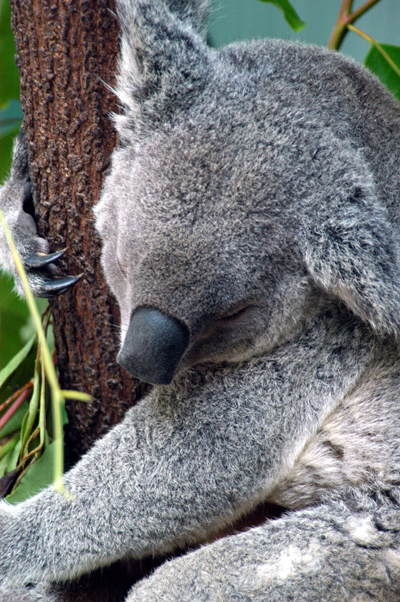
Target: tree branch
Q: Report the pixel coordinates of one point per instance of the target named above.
(347, 17)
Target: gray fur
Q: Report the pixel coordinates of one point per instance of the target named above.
(254, 199)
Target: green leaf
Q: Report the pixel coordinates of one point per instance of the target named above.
(20, 377)
(289, 13)
(39, 476)
(16, 361)
(8, 447)
(9, 301)
(31, 415)
(13, 457)
(3, 464)
(14, 318)
(19, 371)
(379, 65)
(15, 422)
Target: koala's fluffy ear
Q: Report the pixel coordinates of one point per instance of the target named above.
(352, 251)
(162, 50)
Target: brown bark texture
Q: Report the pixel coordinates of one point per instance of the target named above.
(66, 50)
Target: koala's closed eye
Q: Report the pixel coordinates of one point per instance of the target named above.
(236, 313)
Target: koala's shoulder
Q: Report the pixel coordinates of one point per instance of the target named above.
(305, 67)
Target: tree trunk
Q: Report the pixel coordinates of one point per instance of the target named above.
(66, 50)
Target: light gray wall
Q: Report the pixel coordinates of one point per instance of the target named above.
(248, 19)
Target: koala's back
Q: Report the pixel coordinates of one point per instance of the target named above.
(328, 90)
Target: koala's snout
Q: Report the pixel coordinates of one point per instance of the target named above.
(153, 346)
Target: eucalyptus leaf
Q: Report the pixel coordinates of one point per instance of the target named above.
(291, 16)
(32, 414)
(16, 361)
(10, 303)
(9, 446)
(15, 422)
(39, 476)
(14, 316)
(379, 65)
(13, 457)
(7, 482)
(22, 375)
(3, 464)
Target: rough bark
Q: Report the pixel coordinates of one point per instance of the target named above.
(66, 50)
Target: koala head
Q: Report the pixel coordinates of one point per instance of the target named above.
(227, 208)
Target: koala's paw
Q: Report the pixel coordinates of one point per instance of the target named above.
(17, 206)
(43, 275)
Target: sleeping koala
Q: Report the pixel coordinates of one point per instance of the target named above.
(250, 228)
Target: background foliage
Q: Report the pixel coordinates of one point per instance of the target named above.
(29, 427)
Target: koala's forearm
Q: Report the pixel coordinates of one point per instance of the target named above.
(171, 453)
(160, 471)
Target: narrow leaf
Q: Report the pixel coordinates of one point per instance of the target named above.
(31, 415)
(13, 458)
(16, 361)
(15, 422)
(7, 482)
(39, 476)
(291, 16)
(9, 446)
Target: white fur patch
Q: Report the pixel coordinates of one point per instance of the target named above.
(290, 563)
(392, 557)
(362, 531)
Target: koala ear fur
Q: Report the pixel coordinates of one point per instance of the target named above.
(353, 254)
(162, 46)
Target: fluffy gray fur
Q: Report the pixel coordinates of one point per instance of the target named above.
(254, 199)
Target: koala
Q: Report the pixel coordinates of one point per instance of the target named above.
(250, 225)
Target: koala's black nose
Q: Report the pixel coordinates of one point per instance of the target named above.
(154, 346)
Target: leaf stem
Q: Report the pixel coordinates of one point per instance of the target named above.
(345, 18)
(362, 9)
(11, 410)
(15, 395)
(376, 45)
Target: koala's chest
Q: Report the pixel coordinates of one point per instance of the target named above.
(356, 445)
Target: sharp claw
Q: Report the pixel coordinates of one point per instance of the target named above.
(40, 260)
(52, 287)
